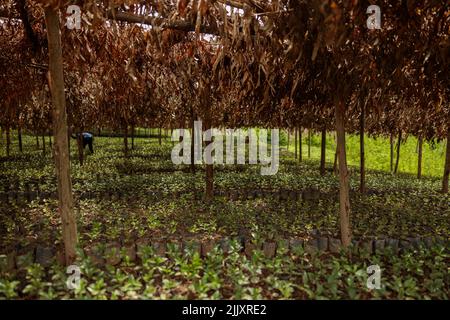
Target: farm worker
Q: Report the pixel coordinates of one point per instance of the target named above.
(88, 139)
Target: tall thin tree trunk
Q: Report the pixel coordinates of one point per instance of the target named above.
(37, 141)
(160, 136)
(62, 163)
(19, 134)
(125, 141)
(205, 96)
(193, 142)
(289, 138)
(419, 157)
(80, 149)
(296, 142)
(398, 151)
(344, 186)
(362, 167)
(447, 165)
(300, 147)
(322, 152)
(391, 141)
(309, 143)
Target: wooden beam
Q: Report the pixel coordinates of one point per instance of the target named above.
(185, 26)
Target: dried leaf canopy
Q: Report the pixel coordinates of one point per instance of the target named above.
(238, 63)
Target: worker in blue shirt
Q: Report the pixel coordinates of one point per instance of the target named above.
(88, 139)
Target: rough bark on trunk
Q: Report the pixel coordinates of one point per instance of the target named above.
(322, 152)
(447, 165)
(62, 163)
(419, 157)
(362, 156)
(344, 187)
(19, 134)
(399, 143)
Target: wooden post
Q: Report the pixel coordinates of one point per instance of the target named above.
(80, 148)
(125, 141)
(419, 157)
(322, 152)
(62, 163)
(192, 142)
(309, 143)
(344, 186)
(19, 134)
(391, 141)
(447, 165)
(296, 142)
(362, 166)
(300, 147)
(289, 139)
(398, 151)
(209, 168)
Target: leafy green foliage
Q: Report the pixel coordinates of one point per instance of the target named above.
(153, 199)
